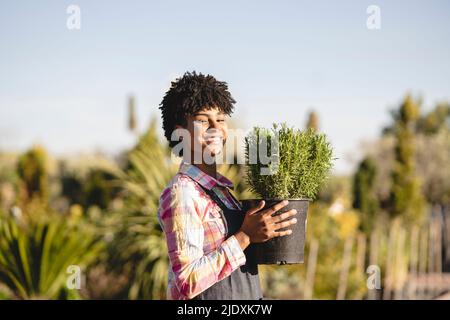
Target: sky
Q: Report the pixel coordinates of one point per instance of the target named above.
(68, 89)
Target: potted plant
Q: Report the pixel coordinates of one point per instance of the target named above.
(285, 164)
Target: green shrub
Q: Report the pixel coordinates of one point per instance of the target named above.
(302, 162)
(34, 258)
(32, 169)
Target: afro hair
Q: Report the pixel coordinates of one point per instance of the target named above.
(188, 95)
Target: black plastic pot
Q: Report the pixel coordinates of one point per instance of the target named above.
(285, 249)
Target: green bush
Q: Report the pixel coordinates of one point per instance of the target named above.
(32, 169)
(34, 258)
(302, 162)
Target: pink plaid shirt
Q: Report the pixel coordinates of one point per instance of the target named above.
(195, 232)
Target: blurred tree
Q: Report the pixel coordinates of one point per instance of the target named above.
(429, 123)
(433, 154)
(435, 120)
(406, 198)
(313, 121)
(382, 152)
(364, 198)
(72, 188)
(33, 171)
(132, 122)
(99, 189)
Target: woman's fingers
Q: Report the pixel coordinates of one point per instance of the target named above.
(285, 224)
(281, 233)
(279, 222)
(275, 208)
(283, 216)
(257, 208)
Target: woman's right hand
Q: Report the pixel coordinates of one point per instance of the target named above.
(259, 225)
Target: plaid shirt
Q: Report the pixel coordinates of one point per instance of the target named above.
(195, 232)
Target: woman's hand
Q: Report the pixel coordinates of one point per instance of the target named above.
(259, 225)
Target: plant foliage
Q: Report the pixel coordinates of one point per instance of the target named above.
(300, 162)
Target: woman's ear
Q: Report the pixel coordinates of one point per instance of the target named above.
(178, 126)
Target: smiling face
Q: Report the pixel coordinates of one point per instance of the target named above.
(208, 132)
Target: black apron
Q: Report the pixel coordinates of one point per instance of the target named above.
(242, 283)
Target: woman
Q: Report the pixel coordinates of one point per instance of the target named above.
(206, 230)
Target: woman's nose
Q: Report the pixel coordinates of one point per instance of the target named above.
(214, 124)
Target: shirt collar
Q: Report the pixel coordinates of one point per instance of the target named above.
(202, 178)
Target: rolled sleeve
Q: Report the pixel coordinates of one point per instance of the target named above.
(234, 252)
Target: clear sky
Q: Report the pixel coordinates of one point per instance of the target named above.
(67, 88)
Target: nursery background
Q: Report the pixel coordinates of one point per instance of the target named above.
(83, 159)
